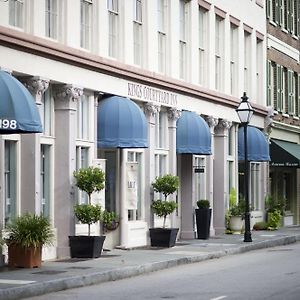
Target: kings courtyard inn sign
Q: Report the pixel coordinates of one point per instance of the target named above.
(149, 94)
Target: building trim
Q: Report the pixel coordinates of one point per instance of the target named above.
(52, 50)
(204, 4)
(234, 21)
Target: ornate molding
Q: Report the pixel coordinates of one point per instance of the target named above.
(211, 121)
(151, 109)
(223, 125)
(173, 113)
(269, 121)
(37, 87)
(68, 93)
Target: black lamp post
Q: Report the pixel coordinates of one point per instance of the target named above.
(245, 112)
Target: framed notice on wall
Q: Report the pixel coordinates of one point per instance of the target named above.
(131, 185)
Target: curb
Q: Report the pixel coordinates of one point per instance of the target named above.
(41, 288)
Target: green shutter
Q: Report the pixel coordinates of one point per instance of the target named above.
(279, 85)
(290, 91)
(269, 83)
(291, 18)
(277, 12)
(269, 7)
(298, 95)
(281, 12)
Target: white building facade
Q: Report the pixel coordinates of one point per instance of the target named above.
(167, 57)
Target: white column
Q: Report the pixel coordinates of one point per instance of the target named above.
(30, 154)
(220, 175)
(212, 122)
(65, 163)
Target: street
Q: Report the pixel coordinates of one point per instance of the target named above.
(272, 273)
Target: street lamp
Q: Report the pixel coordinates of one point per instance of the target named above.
(245, 112)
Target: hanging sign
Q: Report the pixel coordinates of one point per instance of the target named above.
(131, 188)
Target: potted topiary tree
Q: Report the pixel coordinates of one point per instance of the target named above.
(167, 185)
(25, 237)
(89, 180)
(203, 217)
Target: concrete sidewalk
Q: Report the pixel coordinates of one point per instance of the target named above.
(118, 264)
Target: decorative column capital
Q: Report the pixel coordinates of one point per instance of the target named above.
(151, 109)
(269, 121)
(68, 93)
(37, 87)
(211, 121)
(173, 113)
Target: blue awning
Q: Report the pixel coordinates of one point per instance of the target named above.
(18, 111)
(258, 146)
(192, 134)
(121, 124)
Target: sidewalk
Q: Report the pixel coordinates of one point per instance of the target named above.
(117, 264)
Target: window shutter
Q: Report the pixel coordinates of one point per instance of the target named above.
(277, 12)
(298, 95)
(292, 16)
(290, 91)
(279, 87)
(269, 7)
(280, 21)
(269, 83)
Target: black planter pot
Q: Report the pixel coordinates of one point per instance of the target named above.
(203, 217)
(83, 246)
(163, 237)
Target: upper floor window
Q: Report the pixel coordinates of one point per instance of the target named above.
(203, 38)
(219, 52)
(113, 19)
(233, 59)
(183, 16)
(247, 62)
(51, 26)
(16, 13)
(137, 31)
(259, 70)
(162, 34)
(86, 23)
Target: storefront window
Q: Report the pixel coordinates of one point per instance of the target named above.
(10, 178)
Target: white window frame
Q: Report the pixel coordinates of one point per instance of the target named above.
(161, 130)
(47, 112)
(51, 19)
(162, 35)
(219, 52)
(113, 32)
(86, 28)
(138, 32)
(183, 19)
(247, 62)
(83, 114)
(203, 42)
(233, 59)
(17, 13)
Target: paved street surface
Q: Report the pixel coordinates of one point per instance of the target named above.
(119, 264)
(271, 273)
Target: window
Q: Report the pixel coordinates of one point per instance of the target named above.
(271, 71)
(45, 180)
(46, 111)
(259, 70)
(298, 93)
(161, 130)
(161, 14)
(199, 179)
(291, 90)
(233, 59)
(86, 23)
(137, 32)
(183, 17)
(219, 52)
(51, 19)
(16, 13)
(113, 19)
(82, 161)
(10, 180)
(279, 89)
(136, 157)
(83, 117)
(247, 62)
(202, 27)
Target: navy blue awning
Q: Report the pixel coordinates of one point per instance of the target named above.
(192, 134)
(121, 124)
(258, 146)
(18, 111)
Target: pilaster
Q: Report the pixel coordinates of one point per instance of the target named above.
(66, 97)
(220, 174)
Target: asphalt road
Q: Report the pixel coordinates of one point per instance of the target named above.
(272, 273)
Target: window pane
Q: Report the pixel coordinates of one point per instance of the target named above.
(45, 180)
(86, 20)
(51, 18)
(16, 13)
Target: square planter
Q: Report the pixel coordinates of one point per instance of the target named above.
(163, 237)
(23, 257)
(83, 246)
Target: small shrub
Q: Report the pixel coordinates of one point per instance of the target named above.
(260, 226)
(163, 208)
(203, 203)
(274, 219)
